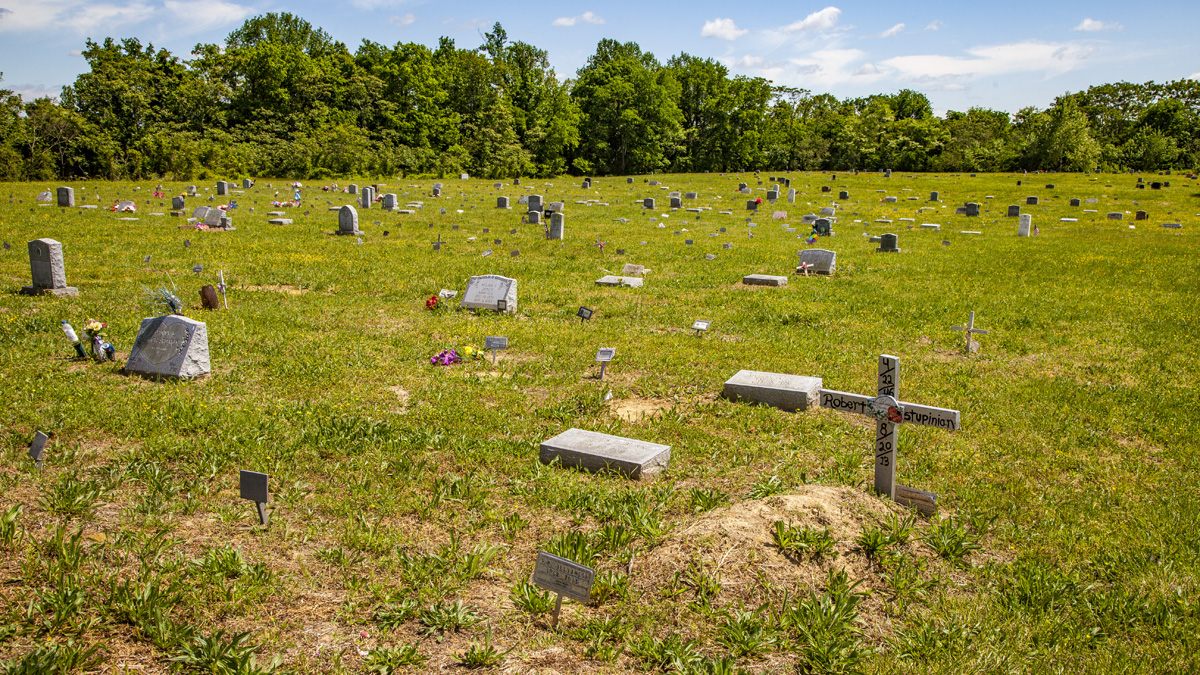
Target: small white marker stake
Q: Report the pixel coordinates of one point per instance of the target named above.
(221, 287)
(969, 328)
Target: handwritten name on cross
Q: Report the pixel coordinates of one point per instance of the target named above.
(970, 328)
(889, 411)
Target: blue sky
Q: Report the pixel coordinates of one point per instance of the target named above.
(1003, 56)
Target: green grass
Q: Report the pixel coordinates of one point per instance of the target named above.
(408, 503)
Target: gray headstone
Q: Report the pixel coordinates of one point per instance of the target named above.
(502, 202)
(390, 202)
(66, 197)
(786, 392)
(613, 280)
(170, 346)
(247, 183)
(353, 189)
(48, 271)
(348, 221)
(212, 218)
(843, 195)
(887, 244)
(535, 203)
(1031, 201)
(764, 280)
(594, 451)
(972, 209)
(485, 290)
(1074, 202)
(823, 227)
(648, 202)
(222, 188)
(534, 217)
(178, 203)
(556, 225)
(772, 195)
(1115, 215)
(820, 261)
(751, 205)
(676, 203)
(933, 196)
(631, 270)
(1023, 225)
(1141, 215)
(367, 196)
(1014, 210)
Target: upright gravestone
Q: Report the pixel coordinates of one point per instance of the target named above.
(502, 202)
(818, 260)
(1023, 225)
(972, 209)
(48, 270)
(170, 346)
(648, 203)
(1031, 201)
(791, 196)
(367, 196)
(348, 221)
(556, 225)
(491, 291)
(390, 202)
(843, 195)
(534, 217)
(178, 203)
(353, 189)
(222, 188)
(1141, 215)
(247, 183)
(823, 227)
(535, 202)
(676, 203)
(887, 244)
(191, 190)
(1014, 210)
(1074, 202)
(66, 197)
(933, 196)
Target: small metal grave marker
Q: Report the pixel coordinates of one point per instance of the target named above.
(501, 306)
(487, 253)
(254, 488)
(197, 269)
(495, 344)
(38, 448)
(446, 293)
(605, 355)
(971, 345)
(187, 243)
(700, 325)
(562, 577)
(584, 314)
(888, 411)
(146, 259)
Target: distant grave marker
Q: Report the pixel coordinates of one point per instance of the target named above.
(254, 488)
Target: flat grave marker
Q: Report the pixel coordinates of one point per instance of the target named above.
(593, 451)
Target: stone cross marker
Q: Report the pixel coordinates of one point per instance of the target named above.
(254, 488)
(889, 411)
(971, 345)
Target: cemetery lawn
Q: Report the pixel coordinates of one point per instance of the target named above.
(408, 503)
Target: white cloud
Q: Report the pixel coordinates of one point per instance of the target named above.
(867, 69)
(404, 20)
(197, 15)
(30, 92)
(723, 29)
(1092, 25)
(1020, 57)
(824, 19)
(76, 52)
(934, 25)
(586, 17)
(1193, 76)
(894, 30)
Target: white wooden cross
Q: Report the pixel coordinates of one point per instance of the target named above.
(889, 411)
(970, 328)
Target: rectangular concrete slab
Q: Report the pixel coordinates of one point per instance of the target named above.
(764, 280)
(786, 392)
(613, 280)
(594, 451)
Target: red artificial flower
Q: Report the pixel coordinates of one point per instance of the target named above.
(431, 302)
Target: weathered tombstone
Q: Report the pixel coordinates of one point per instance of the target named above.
(353, 189)
(554, 207)
(535, 202)
(170, 346)
(648, 203)
(1031, 201)
(222, 188)
(676, 203)
(436, 192)
(614, 280)
(208, 298)
(751, 205)
(1023, 225)
(887, 244)
(823, 227)
(502, 202)
(1014, 211)
(972, 209)
(247, 183)
(492, 292)
(843, 195)
(1074, 202)
(212, 217)
(889, 200)
(786, 392)
(48, 271)
(178, 204)
(66, 197)
(631, 270)
(534, 217)
(772, 195)
(191, 190)
(971, 345)
(764, 280)
(818, 260)
(556, 226)
(691, 195)
(1116, 215)
(1141, 215)
(889, 411)
(592, 451)
(828, 211)
(348, 221)
(791, 196)
(933, 196)
(366, 197)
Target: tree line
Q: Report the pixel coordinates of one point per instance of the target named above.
(282, 98)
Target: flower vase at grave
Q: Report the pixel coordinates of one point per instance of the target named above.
(74, 339)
